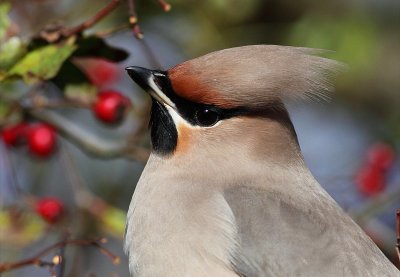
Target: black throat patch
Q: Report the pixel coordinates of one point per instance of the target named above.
(164, 136)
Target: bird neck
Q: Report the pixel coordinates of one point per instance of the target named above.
(176, 228)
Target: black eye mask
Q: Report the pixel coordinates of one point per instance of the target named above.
(164, 135)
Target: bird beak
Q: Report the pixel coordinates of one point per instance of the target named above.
(145, 79)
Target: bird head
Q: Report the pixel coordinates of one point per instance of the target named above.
(233, 99)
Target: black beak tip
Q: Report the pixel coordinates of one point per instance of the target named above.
(138, 74)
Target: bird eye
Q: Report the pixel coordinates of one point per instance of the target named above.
(206, 117)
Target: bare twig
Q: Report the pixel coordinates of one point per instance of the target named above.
(375, 206)
(164, 5)
(111, 31)
(133, 19)
(132, 12)
(36, 259)
(83, 197)
(150, 54)
(92, 21)
(398, 233)
(54, 32)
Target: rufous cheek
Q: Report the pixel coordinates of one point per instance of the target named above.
(185, 139)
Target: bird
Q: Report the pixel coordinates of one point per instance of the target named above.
(226, 190)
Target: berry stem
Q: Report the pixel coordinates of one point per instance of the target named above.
(36, 259)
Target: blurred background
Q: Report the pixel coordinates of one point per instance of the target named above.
(71, 152)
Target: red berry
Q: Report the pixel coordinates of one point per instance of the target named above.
(371, 180)
(42, 140)
(15, 135)
(111, 106)
(381, 155)
(100, 72)
(50, 209)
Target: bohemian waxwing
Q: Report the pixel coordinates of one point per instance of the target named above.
(226, 191)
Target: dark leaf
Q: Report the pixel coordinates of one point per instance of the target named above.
(93, 46)
(69, 74)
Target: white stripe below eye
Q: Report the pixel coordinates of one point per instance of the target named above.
(178, 119)
(158, 94)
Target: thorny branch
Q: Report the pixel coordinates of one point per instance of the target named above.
(37, 259)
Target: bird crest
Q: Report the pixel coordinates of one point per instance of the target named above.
(254, 76)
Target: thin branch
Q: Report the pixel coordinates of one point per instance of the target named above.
(60, 268)
(92, 21)
(83, 197)
(56, 32)
(398, 233)
(150, 54)
(164, 5)
(89, 142)
(36, 259)
(133, 19)
(132, 12)
(375, 206)
(108, 32)
(40, 101)
(14, 182)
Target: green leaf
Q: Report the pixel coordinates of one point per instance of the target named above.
(42, 63)
(84, 92)
(93, 46)
(29, 229)
(10, 52)
(4, 19)
(113, 220)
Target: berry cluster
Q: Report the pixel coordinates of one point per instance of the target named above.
(110, 106)
(371, 179)
(41, 138)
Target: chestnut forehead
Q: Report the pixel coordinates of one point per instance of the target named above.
(187, 84)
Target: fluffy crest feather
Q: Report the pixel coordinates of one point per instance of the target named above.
(255, 76)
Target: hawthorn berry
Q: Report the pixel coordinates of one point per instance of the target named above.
(381, 155)
(110, 106)
(50, 209)
(371, 180)
(15, 135)
(41, 140)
